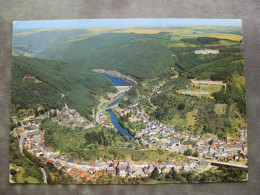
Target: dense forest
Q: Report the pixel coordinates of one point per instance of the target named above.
(160, 57)
(139, 55)
(198, 114)
(51, 83)
(223, 174)
(99, 142)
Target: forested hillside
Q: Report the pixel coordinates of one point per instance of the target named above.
(51, 83)
(221, 113)
(139, 55)
(150, 58)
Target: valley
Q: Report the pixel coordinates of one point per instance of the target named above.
(129, 105)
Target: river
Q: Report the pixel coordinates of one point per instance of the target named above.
(38, 51)
(118, 82)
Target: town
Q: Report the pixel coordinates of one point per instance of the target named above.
(203, 153)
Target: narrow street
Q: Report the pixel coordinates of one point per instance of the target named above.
(100, 110)
(89, 126)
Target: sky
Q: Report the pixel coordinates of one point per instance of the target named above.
(121, 22)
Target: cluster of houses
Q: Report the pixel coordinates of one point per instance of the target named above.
(154, 135)
(211, 148)
(103, 120)
(123, 112)
(27, 118)
(158, 135)
(33, 141)
(156, 89)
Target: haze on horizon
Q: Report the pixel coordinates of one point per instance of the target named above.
(80, 23)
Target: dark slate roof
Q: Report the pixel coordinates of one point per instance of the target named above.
(174, 140)
(31, 128)
(97, 164)
(129, 168)
(122, 166)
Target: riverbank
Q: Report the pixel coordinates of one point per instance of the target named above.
(118, 82)
(117, 124)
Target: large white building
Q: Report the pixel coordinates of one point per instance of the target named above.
(206, 51)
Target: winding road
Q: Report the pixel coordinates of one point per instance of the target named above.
(99, 111)
(21, 144)
(44, 175)
(103, 110)
(142, 115)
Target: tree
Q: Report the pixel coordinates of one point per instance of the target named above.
(196, 154)
(155, 173)
(13, 171)
(12, 125)
(181, 106)
(188, 152)
(172, 175)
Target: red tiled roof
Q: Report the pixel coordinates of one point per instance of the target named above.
(88, 176)
(98, 174)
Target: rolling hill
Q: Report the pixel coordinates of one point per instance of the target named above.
(149, 57)
(51, 83)
(141, 56)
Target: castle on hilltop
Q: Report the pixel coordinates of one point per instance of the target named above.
(69, 115)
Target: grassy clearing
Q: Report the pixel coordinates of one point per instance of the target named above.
(145, 31)
(21, 179)
(220, 109)
(240, 82)
(191, 117)
(232, 37)
(201, 88)
(103, 106)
